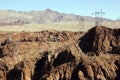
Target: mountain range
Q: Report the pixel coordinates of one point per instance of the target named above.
(51, 18)
(46, 16)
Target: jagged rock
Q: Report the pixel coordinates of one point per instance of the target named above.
(73, 56)
(101, 39)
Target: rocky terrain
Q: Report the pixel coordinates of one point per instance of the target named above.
(60, 55)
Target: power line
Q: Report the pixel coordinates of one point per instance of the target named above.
(98, 17)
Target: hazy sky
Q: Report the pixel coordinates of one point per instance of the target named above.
(81, 7)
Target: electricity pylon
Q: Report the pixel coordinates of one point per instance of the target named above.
(98, 17)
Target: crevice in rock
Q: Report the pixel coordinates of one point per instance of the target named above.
(75, 72)
(80, 67)
(115, 50)
(63, 57)
(95, 72)
(118, 71)
(104, 72)
(42, 67)
(1, 53)
(14, 74)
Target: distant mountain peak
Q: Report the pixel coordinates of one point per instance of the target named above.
(48, 10)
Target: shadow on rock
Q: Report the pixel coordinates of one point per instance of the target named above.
(86, 42)
(14, 74)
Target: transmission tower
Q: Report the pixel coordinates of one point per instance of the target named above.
(98, 17)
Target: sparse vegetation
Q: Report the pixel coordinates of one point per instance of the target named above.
(32, 49)
(48, 20)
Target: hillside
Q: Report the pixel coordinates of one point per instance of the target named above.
(61, 55)
(41, 17)
(48, 20)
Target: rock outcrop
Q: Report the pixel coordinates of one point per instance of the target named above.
(101, 39)
(52, 55)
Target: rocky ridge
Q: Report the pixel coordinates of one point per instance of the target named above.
(11, 18)
(53, 55)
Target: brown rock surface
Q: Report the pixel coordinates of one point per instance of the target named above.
(53, 55)
(101, 39)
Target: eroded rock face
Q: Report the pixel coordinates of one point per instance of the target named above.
(101, 39)
(72, 56)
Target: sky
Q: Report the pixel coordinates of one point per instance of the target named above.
(79, 7)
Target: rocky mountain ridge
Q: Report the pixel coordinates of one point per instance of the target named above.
(53, 55)
(10, 17)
